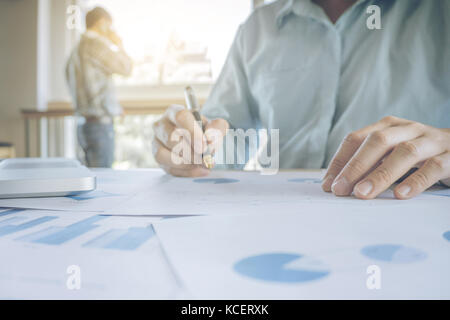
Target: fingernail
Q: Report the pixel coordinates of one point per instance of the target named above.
(404, 190)
(341, 187)
(327, 182)
(364, 188)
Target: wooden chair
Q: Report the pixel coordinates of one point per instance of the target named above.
(7, 150)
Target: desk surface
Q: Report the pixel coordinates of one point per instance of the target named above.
(120, 255)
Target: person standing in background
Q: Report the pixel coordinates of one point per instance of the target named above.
(98, 55)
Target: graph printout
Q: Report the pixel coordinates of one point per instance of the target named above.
(116, 257)
(323, 251)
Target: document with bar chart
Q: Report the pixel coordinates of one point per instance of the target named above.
(53, 228)
(112, 252)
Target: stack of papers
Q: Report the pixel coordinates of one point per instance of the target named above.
(230, 235)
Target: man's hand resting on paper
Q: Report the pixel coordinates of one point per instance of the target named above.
(370, 160)
(176, 131)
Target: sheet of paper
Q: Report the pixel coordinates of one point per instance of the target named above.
(115, 257)
(151, 192)
(246, 192)
(323, 251)
(113, 188)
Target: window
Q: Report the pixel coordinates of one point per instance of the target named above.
(175, 42)
(172, 43)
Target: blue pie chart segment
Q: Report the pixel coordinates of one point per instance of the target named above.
(274, 267)
(446, 235)
(216, 180)
(305, 180)
(394, 253)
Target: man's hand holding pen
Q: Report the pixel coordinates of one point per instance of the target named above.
(178, 127)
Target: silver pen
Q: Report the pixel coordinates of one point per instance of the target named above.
(192, 105)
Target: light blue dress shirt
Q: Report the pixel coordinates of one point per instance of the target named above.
(290, 68)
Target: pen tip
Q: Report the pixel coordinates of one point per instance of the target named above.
(208, 161)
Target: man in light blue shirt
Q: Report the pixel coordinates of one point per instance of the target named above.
(318, 73)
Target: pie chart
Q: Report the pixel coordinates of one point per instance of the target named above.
(281, 267)
(216, 180)
(394, 253)
(446, 235)
(305, 180)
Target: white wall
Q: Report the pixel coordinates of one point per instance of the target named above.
(18, 67)
(32, 58)
(59, 50)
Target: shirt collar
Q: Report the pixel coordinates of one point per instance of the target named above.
(285, 11)
(303, 8)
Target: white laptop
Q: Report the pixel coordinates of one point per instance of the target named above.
(44, 177)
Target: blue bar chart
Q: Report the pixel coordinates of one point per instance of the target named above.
(10, 211)
(44, 232)
(58, 236)
(12, 220)
(125, 239)
(7, 228)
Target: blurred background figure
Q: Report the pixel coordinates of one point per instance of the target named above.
(98, 55)
(172, 44)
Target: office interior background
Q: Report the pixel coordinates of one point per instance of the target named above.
(172, 43)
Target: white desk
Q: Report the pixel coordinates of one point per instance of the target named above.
(119, 256)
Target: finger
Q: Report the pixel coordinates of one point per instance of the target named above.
(374, 148)
(180, 144)
(215, 130)
(166, 157)
(163, 130)
(183, 118)
(348, 147)
(433, 170)
(403, 158)
(172, 111)
(193, 172)
(183, 148)
(205, 121)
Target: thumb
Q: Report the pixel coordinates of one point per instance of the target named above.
(215, 130)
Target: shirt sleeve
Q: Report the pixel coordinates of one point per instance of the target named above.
(231, 99)
(108, 56)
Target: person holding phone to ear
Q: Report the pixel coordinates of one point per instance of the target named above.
(98, 55)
